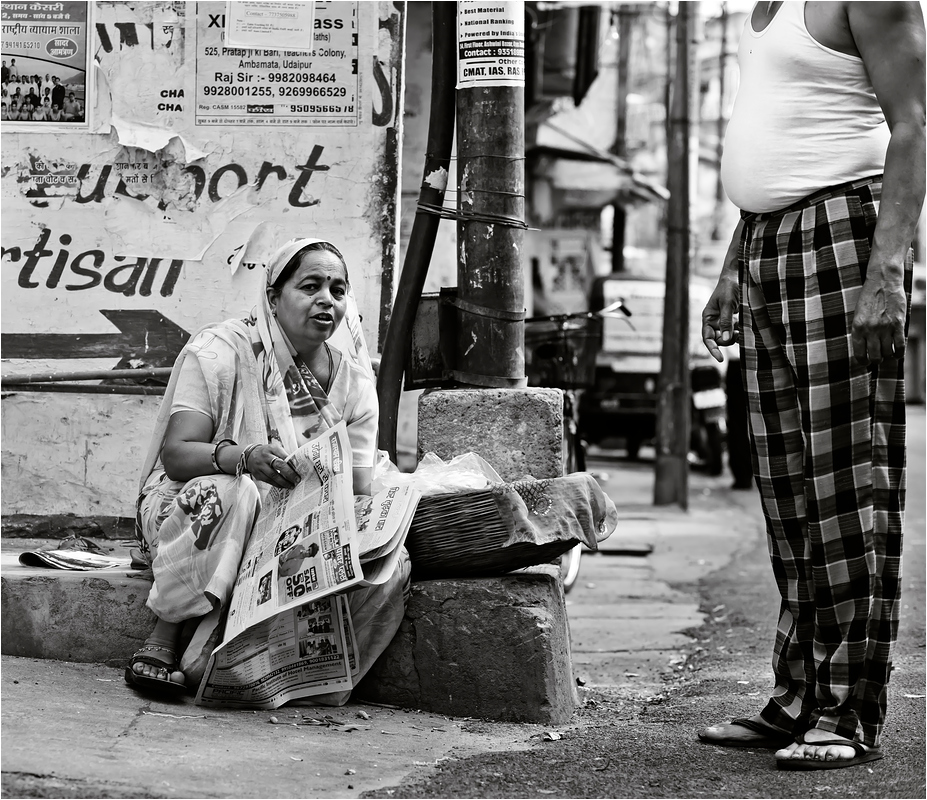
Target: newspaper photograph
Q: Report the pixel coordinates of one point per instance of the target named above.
(302, 547)
(289, 632)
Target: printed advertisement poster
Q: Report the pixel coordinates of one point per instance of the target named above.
(123, 238)
(257, 86)
(45, 62)
(491, 44)
(269, 24)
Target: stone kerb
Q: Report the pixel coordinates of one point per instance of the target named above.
(97, 616)
(494, 648)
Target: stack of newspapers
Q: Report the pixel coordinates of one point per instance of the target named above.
(289, 632)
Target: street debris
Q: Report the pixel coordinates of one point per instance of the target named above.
(175, 716)
(295, 758)
(350, 772)
(548, 736)
(326, 721)
(363, 714)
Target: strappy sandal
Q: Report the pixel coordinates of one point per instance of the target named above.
(148, 682)
(863, 755)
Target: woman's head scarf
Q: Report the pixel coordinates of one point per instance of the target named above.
(297, 405)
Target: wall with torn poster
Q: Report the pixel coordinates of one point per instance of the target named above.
(127, 229)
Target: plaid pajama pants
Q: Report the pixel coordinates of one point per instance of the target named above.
(828, 439)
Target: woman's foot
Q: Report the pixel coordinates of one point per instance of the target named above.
(154, 665)
(752, 732)
(818, 749)
(157, 662)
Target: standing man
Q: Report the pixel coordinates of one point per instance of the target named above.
(824, 154)
(57, 93)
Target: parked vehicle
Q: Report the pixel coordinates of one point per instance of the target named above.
(623, 399)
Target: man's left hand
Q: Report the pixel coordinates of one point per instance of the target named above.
(878, 323)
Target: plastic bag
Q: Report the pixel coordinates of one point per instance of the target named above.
(434, 475)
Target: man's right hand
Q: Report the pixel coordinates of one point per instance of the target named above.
(718, 327)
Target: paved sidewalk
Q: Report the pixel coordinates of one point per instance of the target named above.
(76, 730)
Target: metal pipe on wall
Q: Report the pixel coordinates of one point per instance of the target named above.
(425, 227)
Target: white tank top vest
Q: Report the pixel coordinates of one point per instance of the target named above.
(805, 117)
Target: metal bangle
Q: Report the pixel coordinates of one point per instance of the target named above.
(215, 453)
(243, 461)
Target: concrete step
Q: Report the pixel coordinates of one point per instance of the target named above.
(89, 616)
(492, 648)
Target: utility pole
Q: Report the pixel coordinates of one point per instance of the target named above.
(722, 121)
(671, 484)
(491, 209)
(626, 15)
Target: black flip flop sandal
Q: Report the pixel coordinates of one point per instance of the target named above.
(154, 684)
(863, 756)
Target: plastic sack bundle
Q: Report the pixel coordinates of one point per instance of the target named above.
(434, 475)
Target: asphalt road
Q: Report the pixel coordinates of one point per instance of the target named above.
(621, 746)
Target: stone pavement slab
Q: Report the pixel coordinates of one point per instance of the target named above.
(82, 724)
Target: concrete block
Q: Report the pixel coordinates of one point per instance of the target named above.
(95, 616)
(518, 431)
(494, 648)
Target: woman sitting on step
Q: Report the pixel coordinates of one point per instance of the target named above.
(243, 395)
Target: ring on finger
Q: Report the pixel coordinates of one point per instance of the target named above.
(273, 461)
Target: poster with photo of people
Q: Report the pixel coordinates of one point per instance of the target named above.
(45, 64)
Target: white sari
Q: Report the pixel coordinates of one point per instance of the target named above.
(246, 377)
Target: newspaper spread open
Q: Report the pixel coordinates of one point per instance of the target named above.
(288, 632)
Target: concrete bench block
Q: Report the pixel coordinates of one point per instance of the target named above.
(96, 616)
(495, 648)
(518, 431)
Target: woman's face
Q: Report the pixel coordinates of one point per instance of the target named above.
(312, 303)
